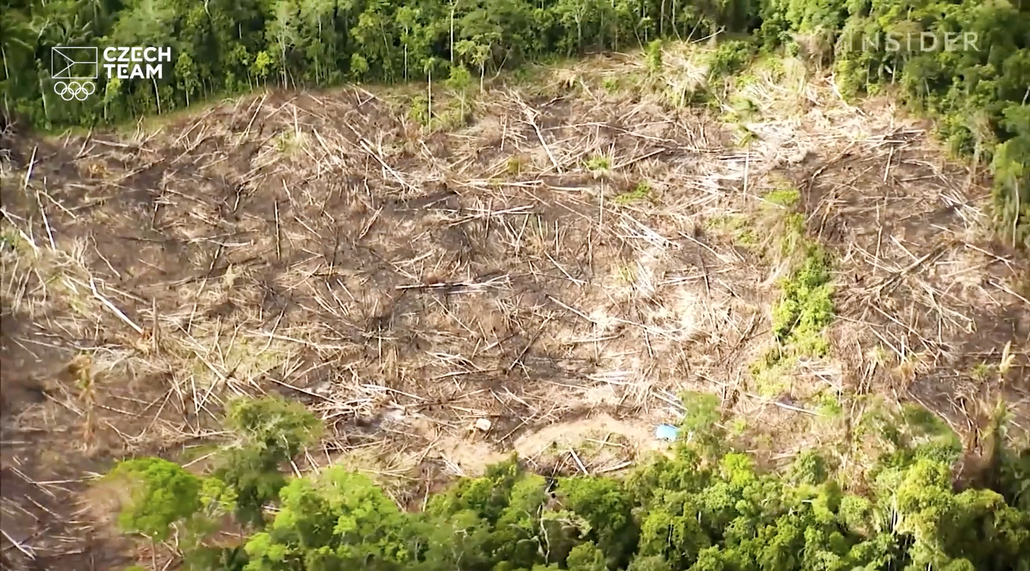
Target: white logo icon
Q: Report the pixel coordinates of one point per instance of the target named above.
(74, 63)
(74, 90)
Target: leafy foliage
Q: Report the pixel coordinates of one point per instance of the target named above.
(730, 57)
(160, 493)
(339, 519)
(278, 428)
(705, 507)
(805, 308)
(271, 431)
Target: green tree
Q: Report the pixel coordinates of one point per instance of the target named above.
(318, 28)
(159, 494)
(283, 36)
(338, 520)
(270, 432)
(186, 74)
(459, 82)
(262, 65)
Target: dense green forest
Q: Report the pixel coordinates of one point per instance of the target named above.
(704, 507)
(223, 47)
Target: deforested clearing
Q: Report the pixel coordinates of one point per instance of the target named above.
(553, 263)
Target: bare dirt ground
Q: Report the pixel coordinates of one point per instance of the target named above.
(407, 284)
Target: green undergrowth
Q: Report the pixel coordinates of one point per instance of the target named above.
(448, 108)
(705, 506)
(785, 197)
(738, 226)
(598, 163)
(642, 192)
(444, 115)
(730, 57)
(804, 308)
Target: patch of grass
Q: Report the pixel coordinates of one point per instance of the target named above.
(625, 84)
(792, 239)
(595, 443)
(786, 197)
(197, 452)
(17, 245)
(389, 472)
(653, 56)
(736, 225)
(745, 136)
(547, 76)
(743, 80)
(531, 73)
(514, 165)
(828, 404)
(598, 163)
(805, 307)
(906, 431)
(448, 112)
(741, 112)
(418, 109)
(9, 240)
(642, 191)
(288, 142)
(247, 357)
(692, 96)
(742, 109)
(981, 372)
(770, 63)
(907, 425)
(787, 230)
(452, 118)
(921, 419)
(627, 274)
(738, 426)
(772, 373)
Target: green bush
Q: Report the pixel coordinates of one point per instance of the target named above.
(805, 307)
(160, 493)
(729, 58)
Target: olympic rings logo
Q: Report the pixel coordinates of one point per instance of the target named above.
(74, 90)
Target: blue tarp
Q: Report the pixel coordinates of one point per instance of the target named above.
(666, 432)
